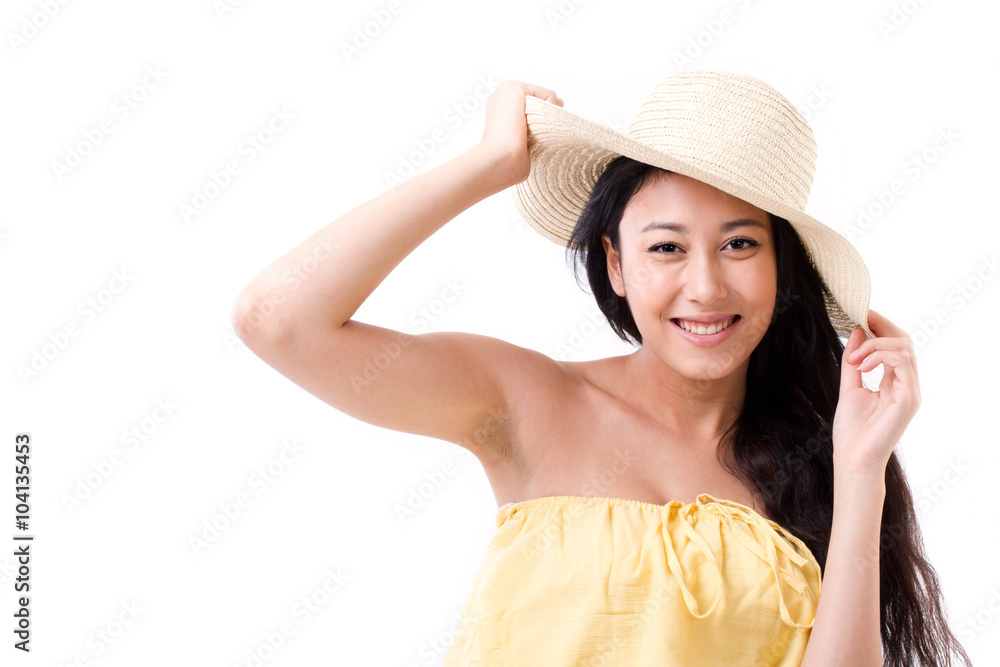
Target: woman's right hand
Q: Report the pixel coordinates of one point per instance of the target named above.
(505, 136)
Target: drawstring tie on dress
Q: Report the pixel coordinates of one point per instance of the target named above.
(761, 532)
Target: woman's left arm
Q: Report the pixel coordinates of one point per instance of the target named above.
(846, 630)
(866, 428)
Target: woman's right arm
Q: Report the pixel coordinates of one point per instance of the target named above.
(444, 384)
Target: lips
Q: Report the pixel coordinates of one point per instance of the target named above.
(705, 328)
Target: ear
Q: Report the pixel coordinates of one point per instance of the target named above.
(614, 266)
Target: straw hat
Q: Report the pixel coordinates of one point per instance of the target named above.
(731, 131)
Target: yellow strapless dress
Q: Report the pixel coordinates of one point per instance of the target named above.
(578, 580)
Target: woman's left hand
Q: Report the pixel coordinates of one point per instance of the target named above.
(868, 424)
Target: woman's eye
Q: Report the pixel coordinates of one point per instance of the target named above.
(750, 243)
(663, 245)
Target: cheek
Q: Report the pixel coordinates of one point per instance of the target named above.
(769, 291)
(650, 289)
(760, 297)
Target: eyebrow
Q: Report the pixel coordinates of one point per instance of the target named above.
(724, 227)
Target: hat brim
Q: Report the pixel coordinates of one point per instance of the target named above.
(569, 153)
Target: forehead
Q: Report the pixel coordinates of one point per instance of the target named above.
(686, 201)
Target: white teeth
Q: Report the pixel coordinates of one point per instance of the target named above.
(701, 330)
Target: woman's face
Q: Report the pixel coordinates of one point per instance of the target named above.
(708, 267)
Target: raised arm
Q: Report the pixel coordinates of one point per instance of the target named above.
(445, 385)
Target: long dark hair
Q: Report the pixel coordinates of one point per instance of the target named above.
(781, 446)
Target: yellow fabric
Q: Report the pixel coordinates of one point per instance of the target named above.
(577, 580)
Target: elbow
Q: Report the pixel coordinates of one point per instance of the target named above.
(254, 316)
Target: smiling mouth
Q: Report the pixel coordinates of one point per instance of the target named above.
(703, 330)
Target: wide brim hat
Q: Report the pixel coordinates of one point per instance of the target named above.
(729, 130)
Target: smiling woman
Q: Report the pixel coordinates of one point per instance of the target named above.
(740, 464)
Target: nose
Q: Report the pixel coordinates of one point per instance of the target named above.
(704, 279)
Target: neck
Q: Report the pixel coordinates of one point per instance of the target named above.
(695, 409)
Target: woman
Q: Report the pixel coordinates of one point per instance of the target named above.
(683, 504)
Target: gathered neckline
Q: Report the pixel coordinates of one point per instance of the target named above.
(700, 503)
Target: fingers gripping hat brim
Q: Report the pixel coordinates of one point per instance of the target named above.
(570, 152)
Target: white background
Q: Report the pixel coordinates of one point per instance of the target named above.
(878, 99)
